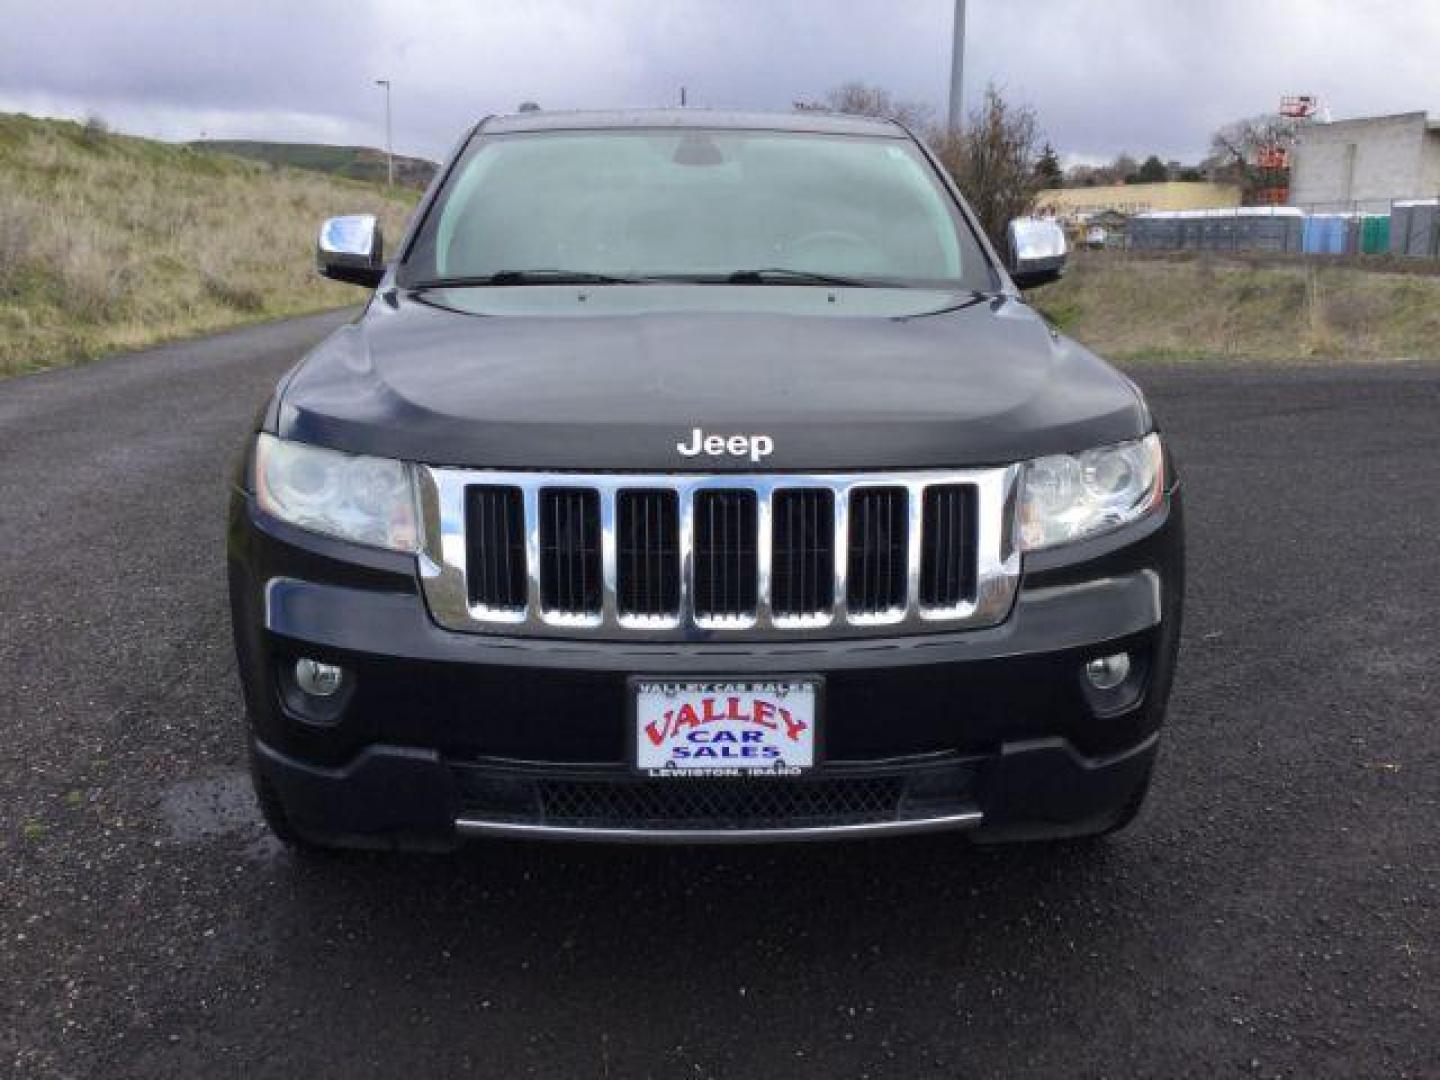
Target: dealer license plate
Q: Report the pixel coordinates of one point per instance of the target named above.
(725, 728)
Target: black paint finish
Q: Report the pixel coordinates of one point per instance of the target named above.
(979, 383)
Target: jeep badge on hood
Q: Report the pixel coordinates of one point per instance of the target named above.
(755, 447)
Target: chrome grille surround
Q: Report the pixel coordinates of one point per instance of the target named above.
(443, 556)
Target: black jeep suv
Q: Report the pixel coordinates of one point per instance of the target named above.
(700, 476)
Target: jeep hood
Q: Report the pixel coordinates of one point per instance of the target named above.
(552, 378)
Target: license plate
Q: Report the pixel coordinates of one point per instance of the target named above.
(725, 728)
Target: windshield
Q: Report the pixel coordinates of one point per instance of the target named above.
(696, 205)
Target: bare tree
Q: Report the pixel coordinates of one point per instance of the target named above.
(1082, 175)
(1123, 168)
(861, 99)
(1236, 149)
(993, 161)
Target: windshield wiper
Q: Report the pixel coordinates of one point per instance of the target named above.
(780, 274)
(525, 277)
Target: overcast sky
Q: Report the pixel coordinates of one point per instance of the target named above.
(1103, 75)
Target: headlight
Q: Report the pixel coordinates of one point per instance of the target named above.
(1071, 497)
(366, 499)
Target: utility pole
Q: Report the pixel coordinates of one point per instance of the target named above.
(389, 150)
(957, 68)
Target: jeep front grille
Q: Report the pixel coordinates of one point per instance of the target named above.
(802, 557)
(702, 557)
(570, 551)
(495, 535)
(876, 581)
(948, 527)
(727, 556)
(648, 554)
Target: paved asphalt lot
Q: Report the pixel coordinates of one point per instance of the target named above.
(1276, 910)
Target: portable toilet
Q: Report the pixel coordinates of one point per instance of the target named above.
(1415, 228)
(1375, 234)
(1155, 231)
(1269, 228)
(1325, 234)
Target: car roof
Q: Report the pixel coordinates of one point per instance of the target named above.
(805, 120)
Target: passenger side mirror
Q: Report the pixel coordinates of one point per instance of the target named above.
(351, 249)
(1037, 251)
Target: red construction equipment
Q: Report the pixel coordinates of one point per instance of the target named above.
(1299, 106)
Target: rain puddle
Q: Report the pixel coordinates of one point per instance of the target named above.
(199, 810)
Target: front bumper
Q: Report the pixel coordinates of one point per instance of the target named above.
(400, 797)
(443, 735)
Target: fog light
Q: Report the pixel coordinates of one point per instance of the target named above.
(317, 679)
(1108, 672)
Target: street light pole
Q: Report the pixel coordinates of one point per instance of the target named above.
(957, 67)
(389, 151)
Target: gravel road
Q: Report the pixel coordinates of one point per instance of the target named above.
(1273, 913)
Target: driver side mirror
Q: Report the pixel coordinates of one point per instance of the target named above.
(351, 249)
(1037, 251)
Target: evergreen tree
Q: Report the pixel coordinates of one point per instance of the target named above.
(1047, 168)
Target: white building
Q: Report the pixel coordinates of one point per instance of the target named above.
(1368, 161)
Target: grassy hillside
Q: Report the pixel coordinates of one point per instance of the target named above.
(1149, 309)
(354, 162)
(109, 242)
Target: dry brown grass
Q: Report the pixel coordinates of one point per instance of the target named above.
(1205, 309)
(109, 242)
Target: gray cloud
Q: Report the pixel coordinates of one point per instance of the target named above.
(1137, 75)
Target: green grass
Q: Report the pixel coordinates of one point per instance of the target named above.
(1162, 311)
(109, 242)
(353, 162)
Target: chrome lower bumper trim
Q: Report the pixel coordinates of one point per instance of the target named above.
(519, 831)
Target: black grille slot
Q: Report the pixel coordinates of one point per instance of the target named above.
(648, 553)
(947, 549)
(875, 578)
(570, 550)
(722, 803)
(802, 555)
(725, 553)
(495, 542)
